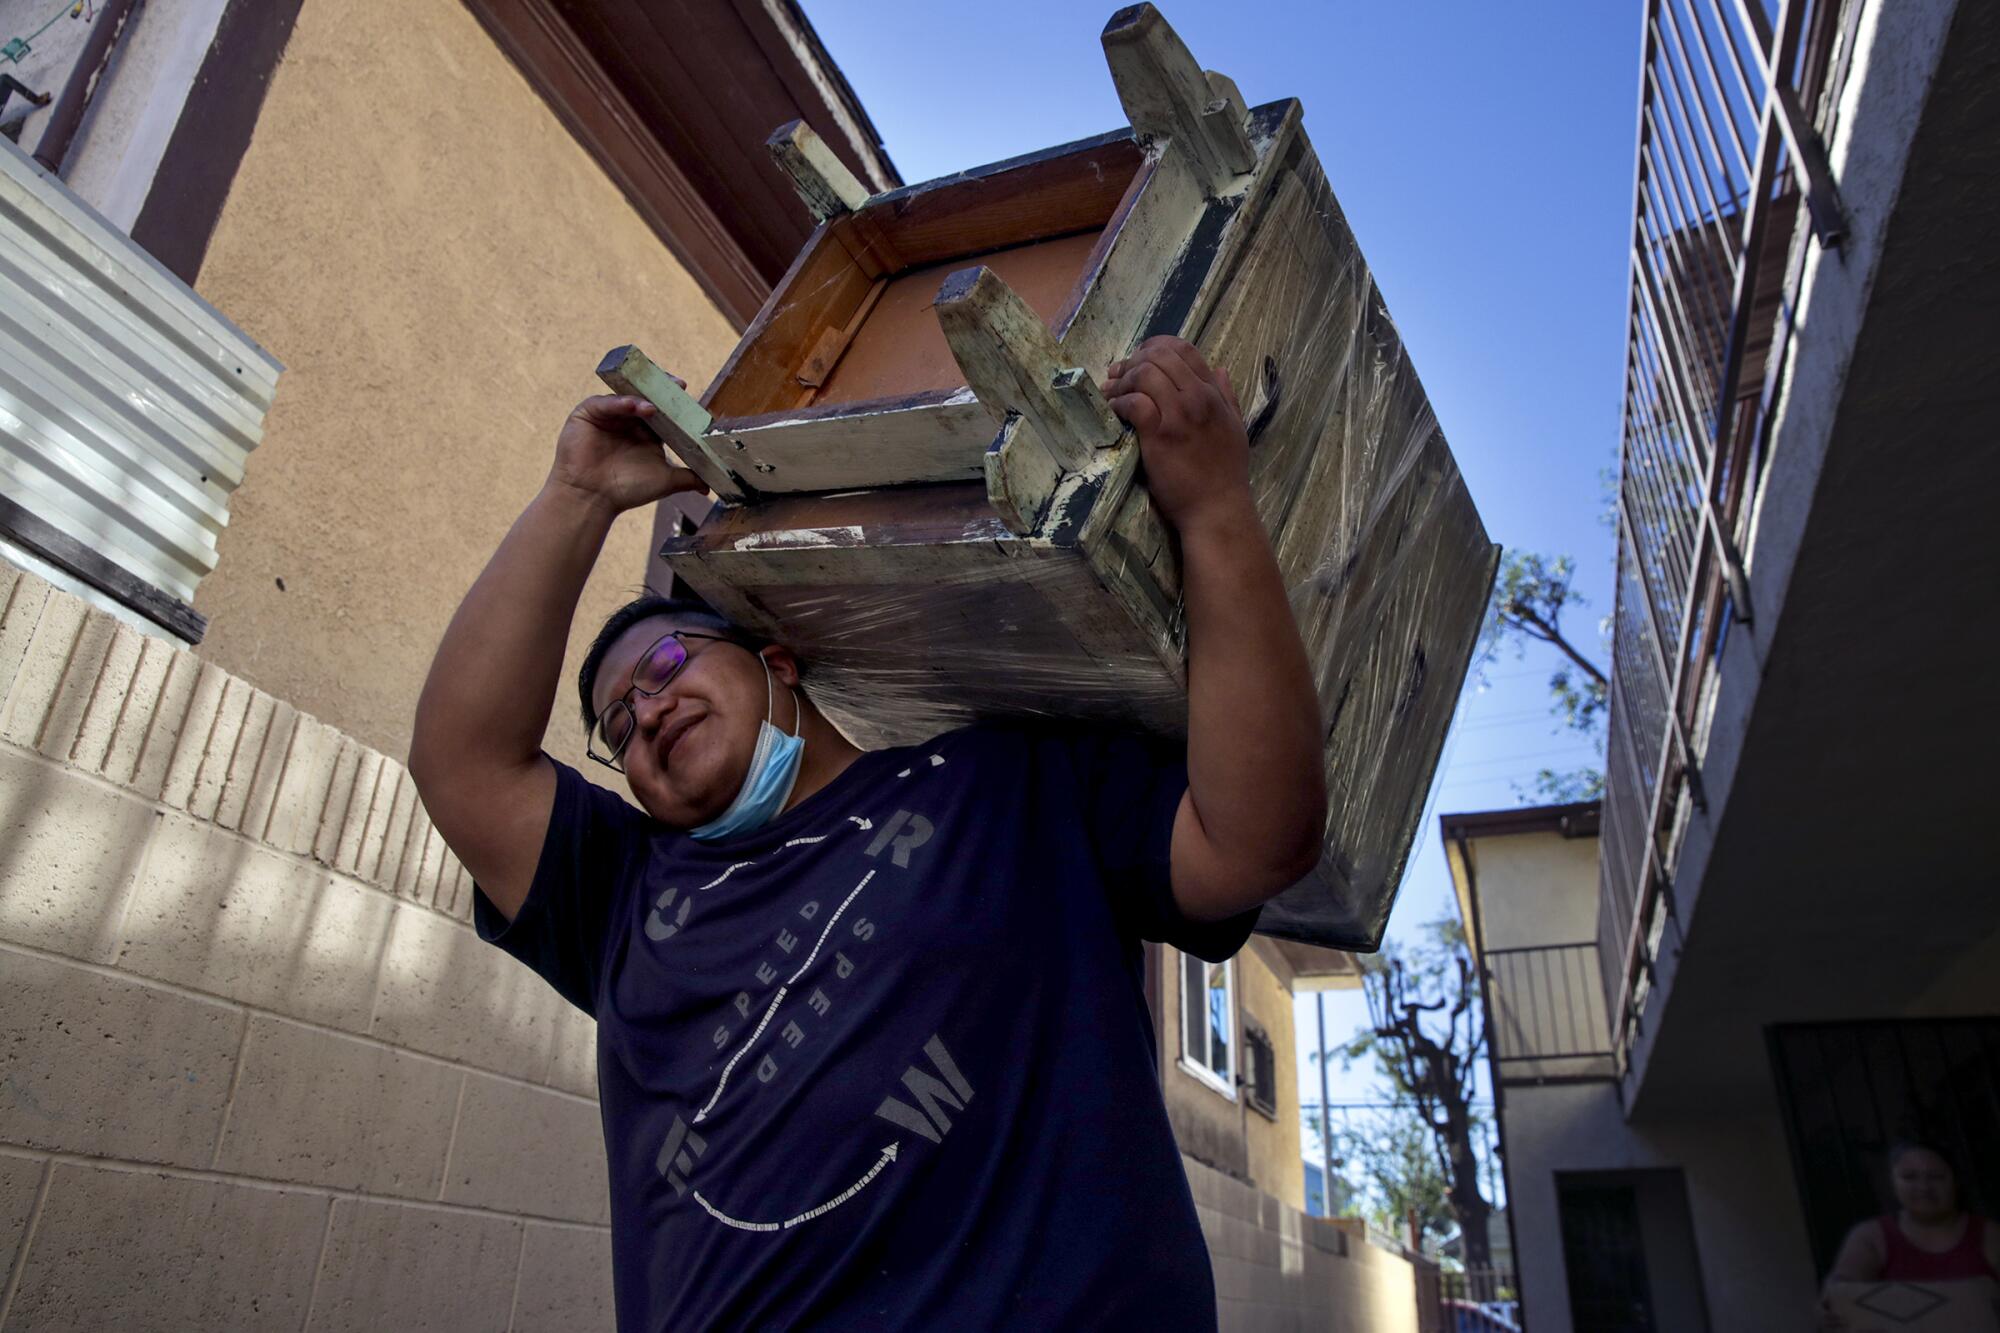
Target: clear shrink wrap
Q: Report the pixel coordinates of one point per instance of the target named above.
(921, 497)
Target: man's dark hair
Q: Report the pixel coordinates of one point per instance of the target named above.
(683, 609)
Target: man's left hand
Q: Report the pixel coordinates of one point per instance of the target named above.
(1191, 436)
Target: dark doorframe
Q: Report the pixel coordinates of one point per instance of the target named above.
(1604, 1257)
(1629, 1252)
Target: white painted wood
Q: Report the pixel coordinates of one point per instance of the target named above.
(943, 441)
(1225, 98)
(682, 422)
(825, 185)
(1126, 286)
(1021, 476)
(1011, 362)
(1168, 97)
(1054, 422)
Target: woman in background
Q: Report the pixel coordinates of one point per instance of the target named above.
(1930, 1237)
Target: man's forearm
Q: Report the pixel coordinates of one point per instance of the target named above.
(495, 676)
(1254, 770)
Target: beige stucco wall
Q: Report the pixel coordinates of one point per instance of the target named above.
(1276, 1164)
(1540, 889)
(440, 266)
(1276, 1268)
(256, 1071)
(1224, 1132)
(1536, 888)
(1742, 1203)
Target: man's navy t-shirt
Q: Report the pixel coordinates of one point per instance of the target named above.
(887, 1061)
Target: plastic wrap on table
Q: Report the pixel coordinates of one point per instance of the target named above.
(916, 608)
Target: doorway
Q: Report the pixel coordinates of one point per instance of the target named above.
(1628, 1252)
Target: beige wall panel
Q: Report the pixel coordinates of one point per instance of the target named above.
(1536, 888)
(119, 1249)
(1227, 1133)
(446, 993)
(440, 266)
(1273, 1143)
(401, 1266)
(20, 1181)
(320, 1109)
(218, 913)
(123, 1056)
(69, 849)
(573, 1065)
(528, 1150)
(565, 1282)
(106, 1067)
(1276, 1268)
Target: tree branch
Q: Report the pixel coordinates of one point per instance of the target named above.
(1531, 623)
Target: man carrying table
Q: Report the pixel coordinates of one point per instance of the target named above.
(873, 1046)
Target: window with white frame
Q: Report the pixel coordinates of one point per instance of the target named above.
(1208, 1023)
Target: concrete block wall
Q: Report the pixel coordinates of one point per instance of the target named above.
(256, 1071)
(1279, 1271)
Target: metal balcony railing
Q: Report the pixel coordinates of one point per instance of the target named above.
(1546, 1015)
(1726, 153)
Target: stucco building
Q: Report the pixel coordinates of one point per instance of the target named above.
(1718, 998)
(1229, 1071)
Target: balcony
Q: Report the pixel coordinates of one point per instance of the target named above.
(1729, 157)
(1545, 1015)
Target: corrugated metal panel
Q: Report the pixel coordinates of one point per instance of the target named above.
(128, 405)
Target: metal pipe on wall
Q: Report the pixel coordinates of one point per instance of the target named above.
(81, 86)
(1325, 1120)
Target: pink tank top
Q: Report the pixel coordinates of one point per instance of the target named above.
(1905, 1262)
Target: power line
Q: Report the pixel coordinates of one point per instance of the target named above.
(1564, 751)
(1381, 1106)
(1554, 723)
(1520, 718)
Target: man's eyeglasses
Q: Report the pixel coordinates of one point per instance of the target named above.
(657, 667)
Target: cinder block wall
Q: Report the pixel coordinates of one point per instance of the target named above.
(1280, 1271)
(255, 1069)
(257, 1072)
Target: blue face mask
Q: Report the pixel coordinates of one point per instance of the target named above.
(774, 771)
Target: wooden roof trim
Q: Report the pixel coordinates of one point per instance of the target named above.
(568, 77)
(1576, 820)
(823, 81)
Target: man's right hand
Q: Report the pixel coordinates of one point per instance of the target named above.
(608, 453)
(476, 745)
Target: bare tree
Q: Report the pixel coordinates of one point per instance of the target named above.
(1428, 1034)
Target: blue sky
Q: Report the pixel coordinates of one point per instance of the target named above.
(1483, 155)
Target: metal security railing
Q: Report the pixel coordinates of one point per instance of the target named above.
(1727, 153)
(1494, 1289)
(1546, 1015)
